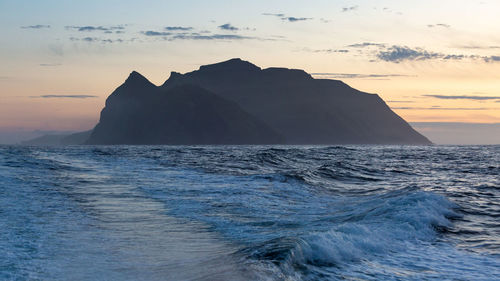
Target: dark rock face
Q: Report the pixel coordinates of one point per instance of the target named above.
(236, 102)
(302, 109)
(185, 114)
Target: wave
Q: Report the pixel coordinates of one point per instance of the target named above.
(382, 228)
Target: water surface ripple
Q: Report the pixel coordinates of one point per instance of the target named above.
(250, 213)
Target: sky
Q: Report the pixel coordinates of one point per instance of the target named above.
(433, 62)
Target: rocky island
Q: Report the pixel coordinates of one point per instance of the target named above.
(237, 102)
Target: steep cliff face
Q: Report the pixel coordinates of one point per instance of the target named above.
(236, 102)
(140, 113)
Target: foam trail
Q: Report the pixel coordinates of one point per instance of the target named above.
(143, 242)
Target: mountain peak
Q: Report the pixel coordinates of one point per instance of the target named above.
(232, 64)
(135, 78)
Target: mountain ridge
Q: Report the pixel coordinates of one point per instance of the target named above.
(288, 105)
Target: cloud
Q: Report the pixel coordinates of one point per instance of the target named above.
(196, 36)
(439, 25)
(398, 54)
(283, 17)
(491, 59)
(90, 28)
(442, 108)
(359, 76)
(50, 64)
(463, 97)
(156, 33)
(400, 101)
(38, 26)
(454, 57)
(294, 19)
(178, 28)
(100, 40)
(4, 77)
(65, 96)
(202, 35)
(388, 10)
(329, 51)
(480, 47)
(274, 15)
(366, 44)
(228, 26)
(349, 9)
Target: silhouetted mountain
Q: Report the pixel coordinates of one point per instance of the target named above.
(236, 102)
(60, 139)
(303, 109)
(140, 113)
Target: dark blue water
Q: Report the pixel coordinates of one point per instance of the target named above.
(250, 213)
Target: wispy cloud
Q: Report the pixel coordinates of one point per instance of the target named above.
(444, 25)
(389, 11)
(402, 53)
(462, 97)
(100, 40)
(156, 33)
(284, 17)
(65, 96)
(178, 28)
(90, 28)
(85, 39)
(50, 64)
(295, 19)
(478, 47)
(358, 75)
(274, 15)
(209, 37)
(228, 27)
(349, 9)
(328, 51)
(202, 35)
(56, 49)
(400, 101)
(38, 26)
(366, 44)
(443, 108)
(491, 59)
(397, 54)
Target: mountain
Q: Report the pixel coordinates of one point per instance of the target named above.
(140, 113)
(60, 139)
(237, 102)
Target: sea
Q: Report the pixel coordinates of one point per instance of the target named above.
(250, 213)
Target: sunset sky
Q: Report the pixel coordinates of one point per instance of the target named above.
(431, 61)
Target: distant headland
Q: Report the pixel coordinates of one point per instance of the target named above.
(236, 102)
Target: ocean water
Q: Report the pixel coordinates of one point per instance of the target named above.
(250, 213)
